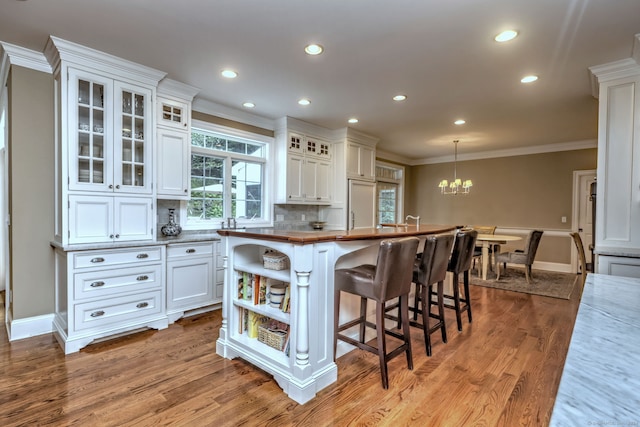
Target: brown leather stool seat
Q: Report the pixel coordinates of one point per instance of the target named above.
(460, 263)
(390, 278)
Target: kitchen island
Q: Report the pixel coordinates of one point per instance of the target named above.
(302, 362)
(600, 380)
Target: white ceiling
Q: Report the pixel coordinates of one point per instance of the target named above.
(441, 54)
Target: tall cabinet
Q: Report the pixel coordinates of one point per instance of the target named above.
(104, 194)
(617, 239)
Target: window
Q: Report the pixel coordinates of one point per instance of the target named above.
(389, 180)
(227, 179)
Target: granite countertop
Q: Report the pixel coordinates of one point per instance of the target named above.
(184, 237)
(600, 382)
(303, 237)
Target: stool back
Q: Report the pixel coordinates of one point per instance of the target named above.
(462, 253)
(432, 267)
(394, 267)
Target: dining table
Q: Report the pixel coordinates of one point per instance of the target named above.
(488, 240)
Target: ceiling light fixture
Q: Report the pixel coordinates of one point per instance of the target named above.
(229, 74)
(505, 36)
(353, 120)
(457, 186)
(400, 97)
(459, 122)
(304, 101)
(314, 49)
(248, 105)
(529, 79)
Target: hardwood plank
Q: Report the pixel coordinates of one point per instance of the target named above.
(501, 370)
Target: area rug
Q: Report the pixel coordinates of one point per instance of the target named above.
(545, 283)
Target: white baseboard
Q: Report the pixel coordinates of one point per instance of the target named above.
(29, 327)
(551, 266)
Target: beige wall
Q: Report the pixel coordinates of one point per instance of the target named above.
(196, 115)
(31, 180)
(525, 192)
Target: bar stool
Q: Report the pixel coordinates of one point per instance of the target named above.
(431, 270)
(460, 263)
(390, 278)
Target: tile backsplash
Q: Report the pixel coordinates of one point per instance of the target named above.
(294, 217)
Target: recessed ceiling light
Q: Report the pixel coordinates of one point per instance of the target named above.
(304, 101)
(529, 79)
(505, 36)
(229, 74)
(400, 97)
(459, 122)
(314, 49)
(248, 105)
(353, 120)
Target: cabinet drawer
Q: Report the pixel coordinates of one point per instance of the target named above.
(119, 310)
(93, 259)
(98, 284)
(189, 250)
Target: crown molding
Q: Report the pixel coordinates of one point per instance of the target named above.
(224, 112)
(524, 151)
(174, 88)
(17, 55)
(356, 136)
(392, 157)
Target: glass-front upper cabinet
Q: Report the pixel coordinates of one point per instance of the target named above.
(133, 138)
(110, 148)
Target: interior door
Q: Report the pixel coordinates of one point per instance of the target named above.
(585, 214)
(362, 204)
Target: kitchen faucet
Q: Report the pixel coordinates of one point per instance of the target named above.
(417, 218)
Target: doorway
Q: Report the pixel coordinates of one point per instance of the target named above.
(582, 221)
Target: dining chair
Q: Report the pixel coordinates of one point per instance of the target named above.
(477, 252)
(524, 257)
(584, 267)
(390, 278)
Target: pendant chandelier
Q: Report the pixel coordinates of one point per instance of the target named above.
(457, 186)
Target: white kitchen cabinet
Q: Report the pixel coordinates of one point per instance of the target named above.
(308, 163)
(105, 112)
(174, 140)
(218, 279)
(190, 277)
(173, 164)
(100, 293)
(95, 219)
(361, 161)
(618, 176)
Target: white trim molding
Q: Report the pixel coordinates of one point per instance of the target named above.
(17, 55)
(209, 107)
(18, 329)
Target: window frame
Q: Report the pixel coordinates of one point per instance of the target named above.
(266, 219)
(399, 181)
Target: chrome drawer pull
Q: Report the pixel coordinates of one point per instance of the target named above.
(98, 259)
(142, 304)
(97, 313)
(142, 256)
(97, 284)
(191, 251)
(141, 278)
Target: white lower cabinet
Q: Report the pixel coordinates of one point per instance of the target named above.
(94, 219)
(190, 277)
(105, 292)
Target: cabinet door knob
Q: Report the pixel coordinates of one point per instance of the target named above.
(142, 305)
(97, 284)
(98, 259)
(191, 251)
(142, 256)
(111, 236)
(118, 187)
(142, 278)
(97, 313)
(117, 236)
(186, 191)
(111, 186)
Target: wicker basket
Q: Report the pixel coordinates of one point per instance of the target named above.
(275, 261)
(272, 338)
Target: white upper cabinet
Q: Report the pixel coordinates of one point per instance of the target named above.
(106, 122)
(174, 140)
(307, 160)
(361, 161)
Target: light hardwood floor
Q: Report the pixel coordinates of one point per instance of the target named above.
(502, 370)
